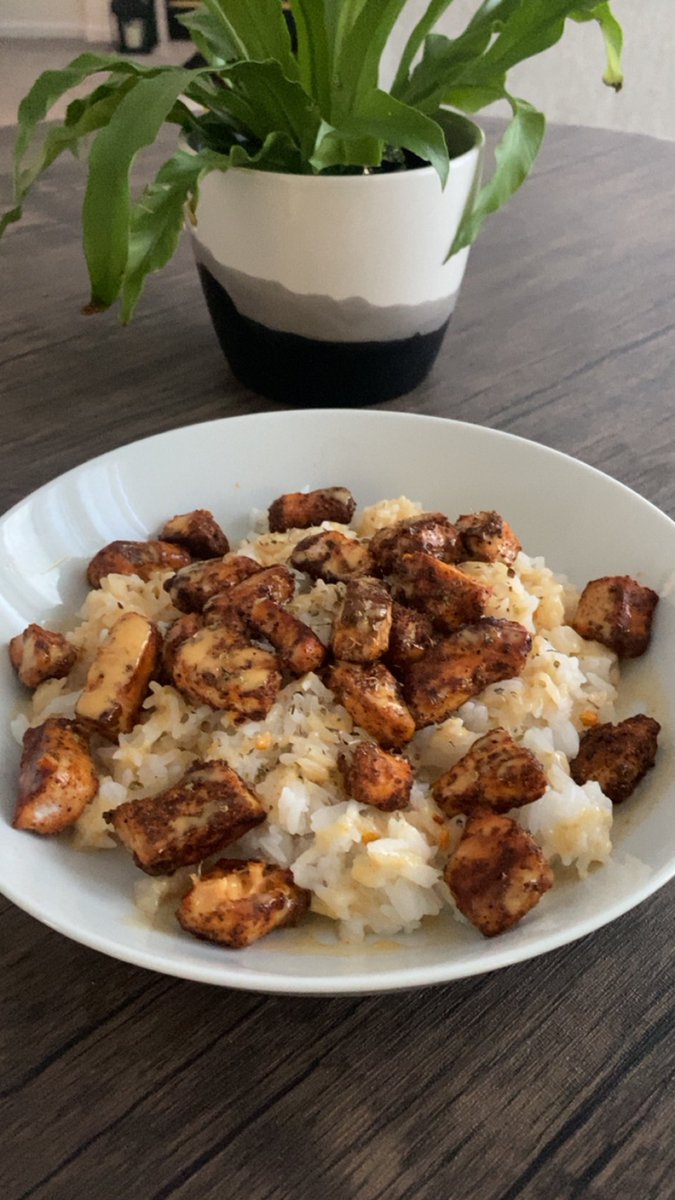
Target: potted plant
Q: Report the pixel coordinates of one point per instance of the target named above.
(331, 219)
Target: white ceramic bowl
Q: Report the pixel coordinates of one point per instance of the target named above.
(583, 522)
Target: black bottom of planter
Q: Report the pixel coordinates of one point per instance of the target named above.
(303, 372)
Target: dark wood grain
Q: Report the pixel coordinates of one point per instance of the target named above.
(553, 1079)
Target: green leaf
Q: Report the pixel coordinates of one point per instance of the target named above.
(423, 27)
(322, 27)
(257, 101)
(382, 117)
(230, 107)
(277, 153)
(357, 63)
(210, 36)
(267, 102)
(212, 132)
(314, 51)
(156, 222)
(472, 99)
(47, 89)
(83, 117)
(501, 34)
(514, 158)
(340, 18)
(445, 57)
(613, 38)
(444, 62)
(256, 30)
(106, 211)
(336, 148)
(9, 217)
(51, 86)
(528, 30)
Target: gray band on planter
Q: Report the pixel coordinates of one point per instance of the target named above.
(320, 316)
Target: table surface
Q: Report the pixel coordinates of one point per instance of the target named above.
(549, 1079)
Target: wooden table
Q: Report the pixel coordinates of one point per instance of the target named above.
(547, 1081)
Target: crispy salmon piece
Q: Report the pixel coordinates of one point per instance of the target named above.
(497, 873)
(362, 622)
(220, 612)
(373, 776)
(298, 647)
(300, 510)
(178, 632)
(238, 901)
(192, 587)
(410, 637)
(442, 591)
(38, 654)
(371, 696)
(459, 666)
(119, 677)
(208, 809)
(429, 533)
(487, 537)
(144, 559)
(199, 532)
(496, 773)
(239, 678)
(332, 556)
(617, 756)
(273, 583)
(57, 777)
(618, 612)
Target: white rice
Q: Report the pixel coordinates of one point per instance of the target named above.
(372, 872)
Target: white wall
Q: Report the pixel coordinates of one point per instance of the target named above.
(565, 82)
(88, 19)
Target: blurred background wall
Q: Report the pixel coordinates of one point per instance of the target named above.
(86, 19)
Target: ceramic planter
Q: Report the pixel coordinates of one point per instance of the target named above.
(334, 289)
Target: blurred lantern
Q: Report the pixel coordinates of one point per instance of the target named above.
(136, 25)
(174, 10)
